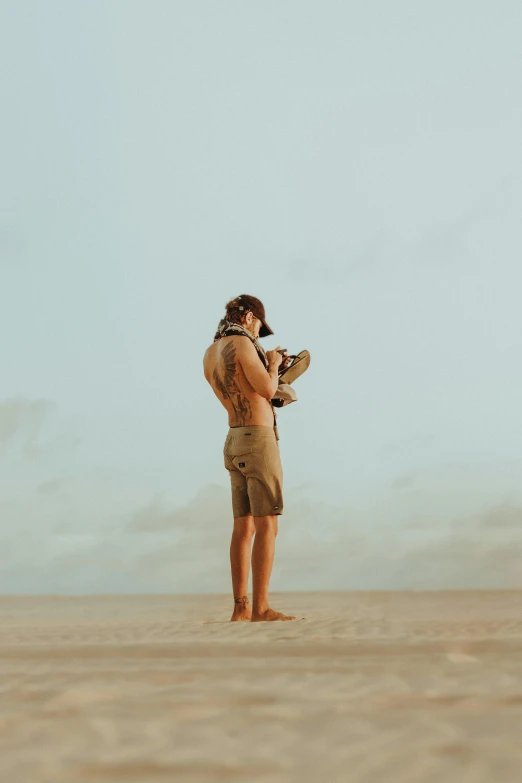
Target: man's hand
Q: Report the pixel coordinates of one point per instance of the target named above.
(287, 360)
(274, 358)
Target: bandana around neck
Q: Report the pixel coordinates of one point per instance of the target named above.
(228, 329)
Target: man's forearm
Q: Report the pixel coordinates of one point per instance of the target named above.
(274, 379)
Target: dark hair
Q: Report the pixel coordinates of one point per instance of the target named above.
(233, 313)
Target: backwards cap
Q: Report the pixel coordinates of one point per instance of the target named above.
(247, 303)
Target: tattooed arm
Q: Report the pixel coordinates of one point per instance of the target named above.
(263, 381)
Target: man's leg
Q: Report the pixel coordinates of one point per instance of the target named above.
(262, 561)
(240, 550)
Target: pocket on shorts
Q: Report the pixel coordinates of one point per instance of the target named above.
(238, 450)
(238, 446)
(240, 457)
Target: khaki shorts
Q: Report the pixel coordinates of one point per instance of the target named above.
(254, 463)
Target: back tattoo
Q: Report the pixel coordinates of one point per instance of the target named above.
(226, 383)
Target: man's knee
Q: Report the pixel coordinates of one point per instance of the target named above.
(268, 524)
(244, 526)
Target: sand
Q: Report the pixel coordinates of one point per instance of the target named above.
(369, 687)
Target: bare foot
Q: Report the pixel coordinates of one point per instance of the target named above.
(241, 610)
(269, 616)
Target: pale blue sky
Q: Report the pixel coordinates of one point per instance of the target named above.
(357, 167)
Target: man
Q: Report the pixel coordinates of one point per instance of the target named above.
(245, 379)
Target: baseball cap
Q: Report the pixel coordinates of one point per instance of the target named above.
(246, 302)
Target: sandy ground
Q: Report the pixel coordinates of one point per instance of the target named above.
(369, 687)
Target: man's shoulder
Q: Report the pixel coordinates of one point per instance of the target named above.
(237, 344)
(237, 340)
(243, 346)
(240, 341)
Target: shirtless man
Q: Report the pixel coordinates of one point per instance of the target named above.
(245, 379)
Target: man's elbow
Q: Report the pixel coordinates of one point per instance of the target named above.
(268, 392)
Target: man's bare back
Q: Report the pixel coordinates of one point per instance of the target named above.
(240, 381)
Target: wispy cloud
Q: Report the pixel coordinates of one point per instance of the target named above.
(21, 421)
(431, 529)
(406, 480)
(320, 546)
(210, 507)
(502, 515)
(52, 486)
(22, 425)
